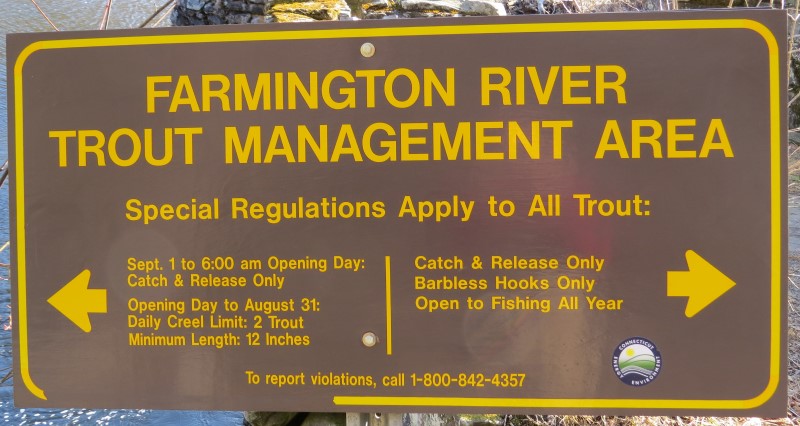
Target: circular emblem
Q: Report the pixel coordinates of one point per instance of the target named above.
(637, 361)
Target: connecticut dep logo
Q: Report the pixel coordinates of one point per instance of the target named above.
(637, 361)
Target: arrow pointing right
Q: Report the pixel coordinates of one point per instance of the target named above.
(76, 300)
(702, 283)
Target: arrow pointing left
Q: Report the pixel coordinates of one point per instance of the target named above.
(76, 300)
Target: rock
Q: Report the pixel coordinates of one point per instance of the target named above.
(194, 4)
(265, 418)
(215, 12)
(215, 20)
(426, 419)
(262, 418)
(429, 5)
(178, 18)
(325, 419)
(238, 18)
(344, 11)
(427, 14)
(483, 8)
(241, 6)
(380, 14)
(481, 419)
(204, 12)
(523, 7)
(375, 4)
(320, 10)
(376, 9)
(290, 17)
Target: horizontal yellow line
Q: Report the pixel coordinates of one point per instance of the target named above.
(423, 401)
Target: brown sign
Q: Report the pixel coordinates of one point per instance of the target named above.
(572, 214)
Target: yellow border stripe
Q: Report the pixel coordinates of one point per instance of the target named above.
(472, 29)
(22, 295)
(545, 402)
(388, 305)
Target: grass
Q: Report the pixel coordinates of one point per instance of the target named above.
(794, 169)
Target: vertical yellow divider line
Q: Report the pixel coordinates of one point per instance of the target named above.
(388, 305)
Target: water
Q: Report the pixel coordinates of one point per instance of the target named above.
(22, 16)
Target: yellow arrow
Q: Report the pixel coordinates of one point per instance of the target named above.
(75, 300)
(702, 283)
